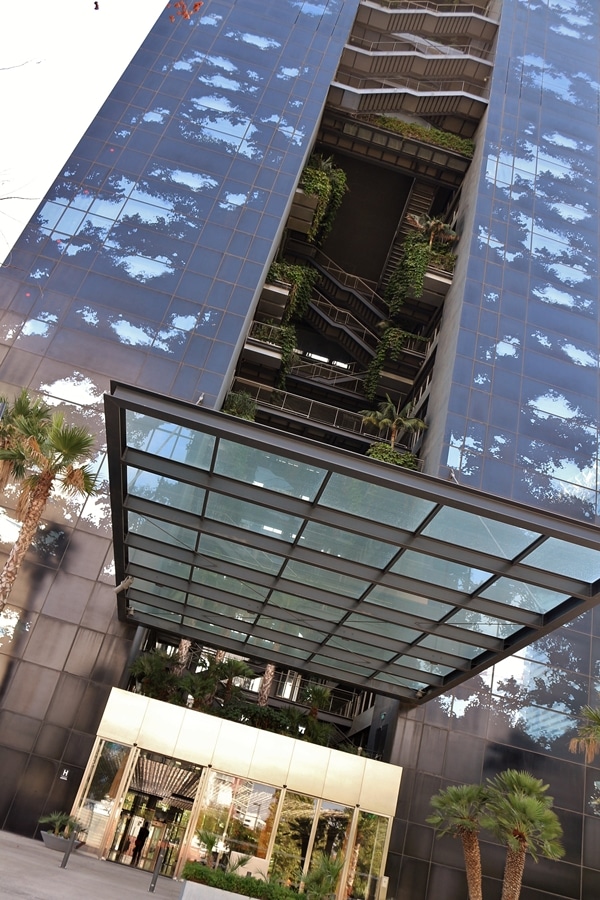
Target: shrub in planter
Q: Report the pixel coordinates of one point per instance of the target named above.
(236, 884)
(240, 404)
(61, 823)
(384, 453)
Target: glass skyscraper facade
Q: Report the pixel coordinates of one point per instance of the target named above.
(523, 405)
(145, 263)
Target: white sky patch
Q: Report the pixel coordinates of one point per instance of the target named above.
(67, 58)
(143, 269)
(221, 62)
(553, 404)
(90, 316)
(194, 180)
(155, 115)
(223, 104)
(9, 528)
(77, 388)
(185, 323)
(542, 338)
(551, 294)
(312, 9)
(570, 275)
(35, 327)
(288, 73)
(230, 201)
(580, 357)
(227, 84)
(561, 139)
(131, 334)
(570, 213)
(256, 40)
(508, 346)
(210, 20)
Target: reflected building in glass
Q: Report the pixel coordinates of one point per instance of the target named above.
(149, 263)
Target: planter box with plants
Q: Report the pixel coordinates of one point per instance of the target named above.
(61, 829)
(204, 883)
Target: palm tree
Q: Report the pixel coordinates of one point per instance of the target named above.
(320, 883)
(25, 417)
(317, 696)
(156, 674)
(588, 734)
(229, 670)
(266, 684)
(203, 684)
(40, 453)
(518, 813)
(458, 812)
(387, 416)
(433, 228)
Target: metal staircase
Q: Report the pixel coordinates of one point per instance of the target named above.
(419, 204)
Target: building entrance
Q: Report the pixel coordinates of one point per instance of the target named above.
(155, 813)
(266, 805)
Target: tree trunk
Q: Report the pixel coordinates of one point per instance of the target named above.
(266, 684)
(513, 874)
(470, 842)
(183, 652)
(33, 517)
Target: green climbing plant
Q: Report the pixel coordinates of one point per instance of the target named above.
(425, 246)
(287, 342)
(302, 280)
(392, 342)
(409, 275)
(327, 182)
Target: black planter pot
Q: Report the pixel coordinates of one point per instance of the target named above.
(57, 842)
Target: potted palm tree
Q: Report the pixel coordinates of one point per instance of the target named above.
(62, 825)
(388, 418)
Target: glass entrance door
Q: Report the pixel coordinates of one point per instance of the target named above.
(155, 812)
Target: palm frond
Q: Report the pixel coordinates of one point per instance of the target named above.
(588, 734)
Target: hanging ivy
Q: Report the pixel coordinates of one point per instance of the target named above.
(287, 342)
(324, 180)
(390, 346)
(408, 277)
(302, 280)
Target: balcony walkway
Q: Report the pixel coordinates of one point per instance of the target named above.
(32, 872)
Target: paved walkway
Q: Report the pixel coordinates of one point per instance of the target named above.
(29, 871)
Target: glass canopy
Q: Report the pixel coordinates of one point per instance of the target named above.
(287, 551)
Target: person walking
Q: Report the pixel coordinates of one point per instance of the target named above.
(142, 837)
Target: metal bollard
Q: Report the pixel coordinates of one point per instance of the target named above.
(156, 870)
(69, 849)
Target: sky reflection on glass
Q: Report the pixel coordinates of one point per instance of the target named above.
(535, 268)
(168, 189)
